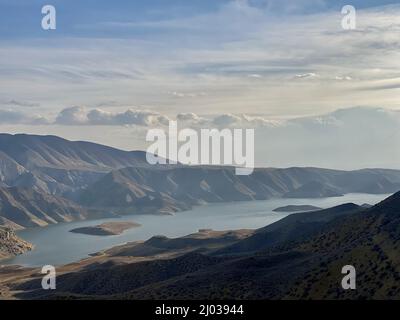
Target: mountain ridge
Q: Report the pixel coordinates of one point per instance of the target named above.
(198, 185)
(104, 178)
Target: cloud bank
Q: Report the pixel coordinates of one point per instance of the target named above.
(349, 138)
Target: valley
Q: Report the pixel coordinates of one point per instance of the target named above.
(297, 257)
(56, 245)
(200, 222)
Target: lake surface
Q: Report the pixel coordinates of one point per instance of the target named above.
(55, 245)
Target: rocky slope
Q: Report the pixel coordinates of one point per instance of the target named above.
(56, 165)
(24, 208)
(11, 244)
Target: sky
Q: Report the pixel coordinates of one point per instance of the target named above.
(113, 69)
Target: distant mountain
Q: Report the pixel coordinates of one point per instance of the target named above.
(23, 208)
(31, 152)
(56, 165)
(171, 189)
(314, 189)
(123, 182)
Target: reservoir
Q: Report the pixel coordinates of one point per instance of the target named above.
(55, 245)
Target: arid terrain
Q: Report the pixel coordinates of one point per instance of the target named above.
(158, 248)
(11, 244)
(48, 180)
(298, 257)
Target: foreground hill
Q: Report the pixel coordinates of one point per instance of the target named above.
(293, 228)
(299, 257)
(368, 240)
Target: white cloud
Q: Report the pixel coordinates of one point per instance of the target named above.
(130, 117)
(347, 138)
(187, 94)
(306, 75)
(72, 116)
(343, 78)
(191, 119)
(235, 54)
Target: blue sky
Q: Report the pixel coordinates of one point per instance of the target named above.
(150, 53)
(84, 18)
(89, 18)
(130, 65)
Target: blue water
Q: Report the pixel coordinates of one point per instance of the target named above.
(55, 245)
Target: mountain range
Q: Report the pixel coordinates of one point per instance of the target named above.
(47, 179)
(56, 165)
(171, 189)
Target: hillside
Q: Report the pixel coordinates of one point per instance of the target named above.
(187, 186)
(24, 208)
(31, 152)
(299, 257)
(314, 189)
(305, 267)
(294, 228)
(101, 176)
(56, 165)
(369, 241)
